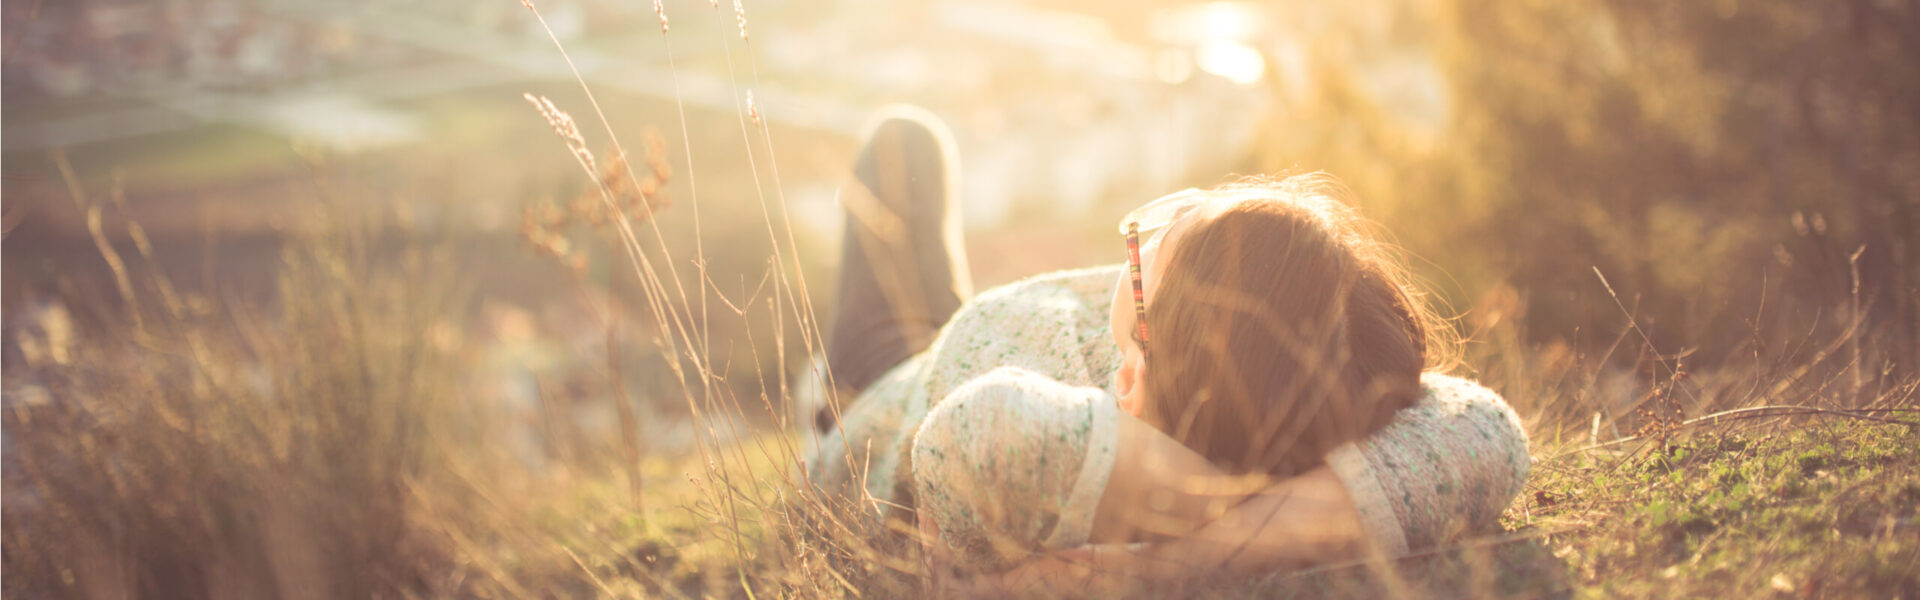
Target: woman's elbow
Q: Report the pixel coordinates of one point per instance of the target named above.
(953, 470)
(1508, 460)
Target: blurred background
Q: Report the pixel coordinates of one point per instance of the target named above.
(222, 128)
(1745, 174)
(1707, 159)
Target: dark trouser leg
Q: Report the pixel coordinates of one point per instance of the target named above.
(903, 271)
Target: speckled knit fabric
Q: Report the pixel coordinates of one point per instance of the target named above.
(1003, 431)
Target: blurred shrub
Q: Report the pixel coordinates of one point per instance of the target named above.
(1733, 167)
(242, 452)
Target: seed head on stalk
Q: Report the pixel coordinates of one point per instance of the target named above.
(740, 15)
(661, 10)
(545, 226)
(563, 125)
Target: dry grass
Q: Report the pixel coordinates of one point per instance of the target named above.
(199, 449)
(326, 447)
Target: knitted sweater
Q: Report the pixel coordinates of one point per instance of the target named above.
(1004, 431)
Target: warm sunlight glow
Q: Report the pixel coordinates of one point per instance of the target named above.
(1227, 20)
(1212, 21)
(1173, 66)
(1238, 63)
(751, 298)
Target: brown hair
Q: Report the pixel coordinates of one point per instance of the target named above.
(1282, 329)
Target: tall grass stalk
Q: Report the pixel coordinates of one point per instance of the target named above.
(706, 406)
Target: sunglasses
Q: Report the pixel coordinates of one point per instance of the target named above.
(1154, 217)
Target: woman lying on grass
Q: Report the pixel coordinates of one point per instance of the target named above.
(1251, 393)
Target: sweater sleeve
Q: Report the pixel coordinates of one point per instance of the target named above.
(1014, 463)
(1445, 466)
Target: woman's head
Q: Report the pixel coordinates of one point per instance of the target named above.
(1278, 328)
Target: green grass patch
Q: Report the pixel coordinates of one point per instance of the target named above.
(1823, 509)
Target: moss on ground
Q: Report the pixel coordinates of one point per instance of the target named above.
(1824, 509)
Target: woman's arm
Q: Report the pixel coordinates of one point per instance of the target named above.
(1010, 464)
(1014, 464)
(1161, 491)
(1017, 464)
(1449, 464)
(1299, 522)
